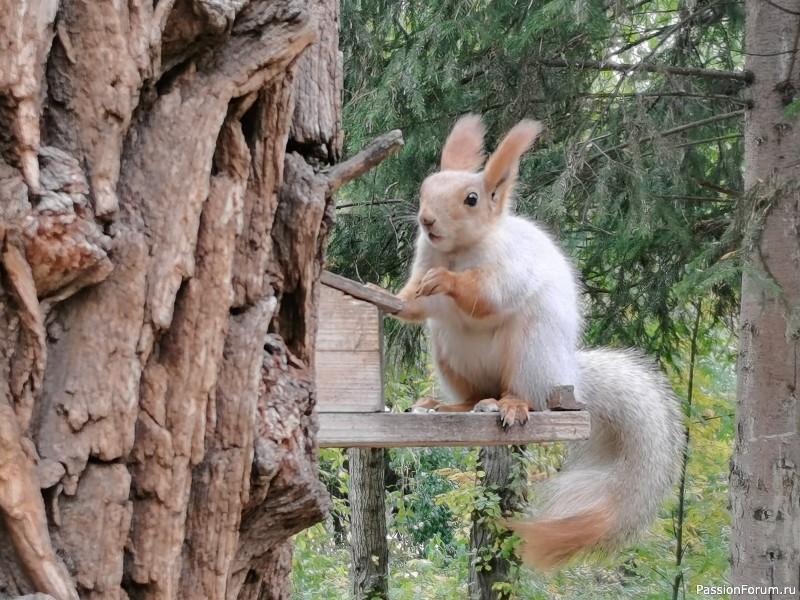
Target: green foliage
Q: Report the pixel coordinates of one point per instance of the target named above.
(425, 522)
(635, 175)
(639, 175)
(433, 494)
(320, 566)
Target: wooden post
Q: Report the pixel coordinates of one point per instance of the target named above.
(369, 571)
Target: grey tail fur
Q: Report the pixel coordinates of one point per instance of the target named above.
(612, 485)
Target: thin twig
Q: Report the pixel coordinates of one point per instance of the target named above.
(376, 151)
(668, 30)
(721, 138)
(679, 549)
(597, 65)
(682, 128)
(696, 198)
(670, 94)
(374, 203)
(639, 41)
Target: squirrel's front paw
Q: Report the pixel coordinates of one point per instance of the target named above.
(511, 409)
(436, 281)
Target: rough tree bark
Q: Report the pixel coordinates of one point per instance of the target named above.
(765, 483)
(164, 212)
(369, 548)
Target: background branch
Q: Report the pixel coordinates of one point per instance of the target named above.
(743, 76)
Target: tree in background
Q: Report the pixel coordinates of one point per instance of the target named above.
(765, 483)
(164, 219)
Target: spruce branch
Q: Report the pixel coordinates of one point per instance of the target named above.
(670, 29)
(686, 127)
(704, 141)
(695, 198)
(720, 138)
(597, 65)
(672, 94)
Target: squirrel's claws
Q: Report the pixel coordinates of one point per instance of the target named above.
(436, 281)
(511, 410)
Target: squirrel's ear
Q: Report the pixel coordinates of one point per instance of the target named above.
(463, 150)
(501, 169)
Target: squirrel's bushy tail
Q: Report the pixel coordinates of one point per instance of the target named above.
(612, 485)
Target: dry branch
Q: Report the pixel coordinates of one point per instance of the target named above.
(376, 151)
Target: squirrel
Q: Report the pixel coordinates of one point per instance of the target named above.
(502, 304)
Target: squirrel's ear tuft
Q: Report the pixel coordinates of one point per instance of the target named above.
(463, 150)
(501, 169)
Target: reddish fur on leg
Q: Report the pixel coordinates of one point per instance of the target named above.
(462, 388)
(469, 296)
(550, 543)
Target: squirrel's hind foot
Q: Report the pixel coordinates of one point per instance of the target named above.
(511, 409)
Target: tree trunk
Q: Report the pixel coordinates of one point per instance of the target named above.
(164, 216)
(765, 483)
(487, 566)
(369, 570)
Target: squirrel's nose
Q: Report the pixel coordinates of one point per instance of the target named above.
(427, 220)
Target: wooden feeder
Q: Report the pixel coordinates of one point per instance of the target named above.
(350, 386)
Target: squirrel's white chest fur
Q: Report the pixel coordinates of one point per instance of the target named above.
(531, 341)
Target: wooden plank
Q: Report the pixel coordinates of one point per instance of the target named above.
(349, 381)
(347, 324)
(563, 398)
(384, 300)
(386, 430)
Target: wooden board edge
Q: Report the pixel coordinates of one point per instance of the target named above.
(383, 299)
(387, 430)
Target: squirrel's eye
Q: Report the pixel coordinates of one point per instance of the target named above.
(472, 199)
